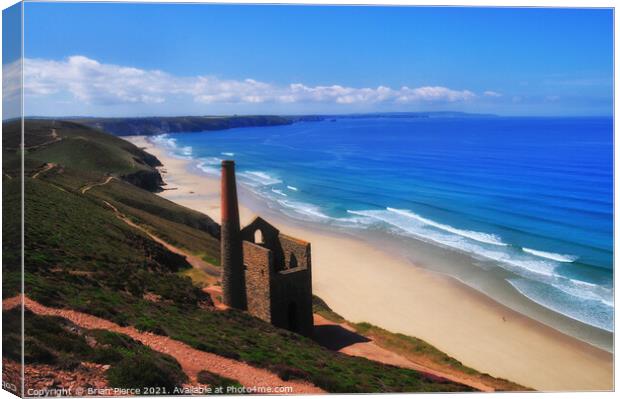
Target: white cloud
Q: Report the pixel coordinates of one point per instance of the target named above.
(11, 89)
(490, 93)
(92, 82)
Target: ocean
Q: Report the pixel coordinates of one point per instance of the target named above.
(532, 197)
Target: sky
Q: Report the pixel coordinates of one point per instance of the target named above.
(111, 59)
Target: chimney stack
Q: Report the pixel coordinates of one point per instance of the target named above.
(233, 274)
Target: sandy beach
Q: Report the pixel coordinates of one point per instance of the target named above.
(364, 283)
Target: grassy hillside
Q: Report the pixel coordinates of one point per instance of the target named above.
(80, 255)
(59, 343)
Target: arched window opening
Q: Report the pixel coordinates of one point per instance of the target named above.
(258, 237)
(292, 262)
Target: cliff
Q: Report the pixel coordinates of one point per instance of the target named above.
(149, 126)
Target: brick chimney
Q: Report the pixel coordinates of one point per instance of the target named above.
(233, 274)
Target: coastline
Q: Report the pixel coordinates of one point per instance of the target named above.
(360, 282)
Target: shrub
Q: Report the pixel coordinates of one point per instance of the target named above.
(215, 380)
(142, 370)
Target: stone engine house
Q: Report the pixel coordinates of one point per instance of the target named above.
(264, 271)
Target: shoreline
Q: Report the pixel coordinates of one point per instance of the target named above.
(359, 281)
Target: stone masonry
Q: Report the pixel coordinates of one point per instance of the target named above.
(274, 282)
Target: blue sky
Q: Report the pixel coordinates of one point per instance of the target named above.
(159, 59)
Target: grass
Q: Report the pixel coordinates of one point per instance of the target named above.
(199, 278)
(216, 381)
(180, 226)
(11, 236)
(57, 341)
(86, 150)
(321, 308)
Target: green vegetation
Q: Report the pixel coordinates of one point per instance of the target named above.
(320, 307)
(216, 381)
(57, 341)
(199, 277)
(88, 151)
(80, 255)
(179, 226)
(142, 369)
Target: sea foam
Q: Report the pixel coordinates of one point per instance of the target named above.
(586, 310)
(304, 209)
(164, 140)
(279, 192)
(259, 178)
(474, 235)
(551, 255)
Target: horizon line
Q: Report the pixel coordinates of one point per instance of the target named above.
(307, 114)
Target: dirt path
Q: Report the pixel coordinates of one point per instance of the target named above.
(44, 168)
(10, 303)
(353, 344)
(193, 260)
(191, 360)
(216, 295)
(87, 187)
(55, 138)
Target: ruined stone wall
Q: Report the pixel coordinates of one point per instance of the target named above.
(296, 253)
(278, 279)
(270, 238)
(292, 300)
(258, 275)
(292, 287)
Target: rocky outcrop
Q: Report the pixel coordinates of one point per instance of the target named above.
(147, 179)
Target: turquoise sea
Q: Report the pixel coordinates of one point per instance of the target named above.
(531, 196)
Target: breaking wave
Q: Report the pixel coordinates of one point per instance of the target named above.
(593, 311)
(474, 235)
(210, 165)
(551, 255)
(258, 178)
(170, 143)
(279, 192)
(304, 209)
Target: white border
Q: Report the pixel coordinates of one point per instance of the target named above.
(475, 3)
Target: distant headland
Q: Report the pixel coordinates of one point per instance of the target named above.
(154, 125)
